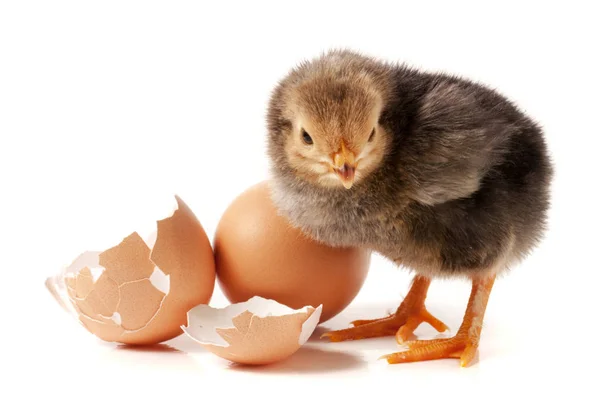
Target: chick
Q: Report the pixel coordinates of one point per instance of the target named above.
(440, 174)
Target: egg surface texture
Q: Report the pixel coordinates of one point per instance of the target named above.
(258, 253)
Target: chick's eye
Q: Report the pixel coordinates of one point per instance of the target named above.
(372, 135)
(306, 137)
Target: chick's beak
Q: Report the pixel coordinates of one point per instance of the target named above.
(344, 166)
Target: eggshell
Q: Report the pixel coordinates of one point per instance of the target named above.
(258, 253)
(139, 291)
(259, 331)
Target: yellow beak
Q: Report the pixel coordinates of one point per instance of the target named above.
(345, 166)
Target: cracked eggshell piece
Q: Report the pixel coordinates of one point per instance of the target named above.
(139, 291)
(258, 331)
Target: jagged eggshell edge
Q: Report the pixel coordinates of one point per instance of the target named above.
(58, 287)
(236, 332)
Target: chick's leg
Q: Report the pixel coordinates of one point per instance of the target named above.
(402, 323)
(466, 341)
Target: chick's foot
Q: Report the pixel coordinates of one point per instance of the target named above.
(408, 317)
(466, 342)
(402, 325)
(460, 346)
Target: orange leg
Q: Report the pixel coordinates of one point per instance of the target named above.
(466, 341)
(402, 323)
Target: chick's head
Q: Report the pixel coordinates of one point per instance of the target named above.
(324, 126)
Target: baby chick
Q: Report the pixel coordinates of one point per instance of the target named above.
(441, 175)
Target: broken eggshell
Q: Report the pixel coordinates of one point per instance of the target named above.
(258, 331)
(139, 291)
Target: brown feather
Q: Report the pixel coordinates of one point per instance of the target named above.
(455, 183)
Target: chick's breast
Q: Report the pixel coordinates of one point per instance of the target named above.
(463, 189)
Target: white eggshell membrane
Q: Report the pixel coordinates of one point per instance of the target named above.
(258, 331)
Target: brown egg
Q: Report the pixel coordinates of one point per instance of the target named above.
(258, 253)
(140, 290)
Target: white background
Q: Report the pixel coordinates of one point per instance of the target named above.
(107, 108)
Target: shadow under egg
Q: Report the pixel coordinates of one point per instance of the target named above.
(308, 360)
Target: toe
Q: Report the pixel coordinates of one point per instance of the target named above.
(428, 350)
(433, 321)
(360, 322)
(468, 355)
(376, 328)
(413, 344)
(406, 331)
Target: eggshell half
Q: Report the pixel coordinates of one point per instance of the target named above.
(258, 331)
(139, 291)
